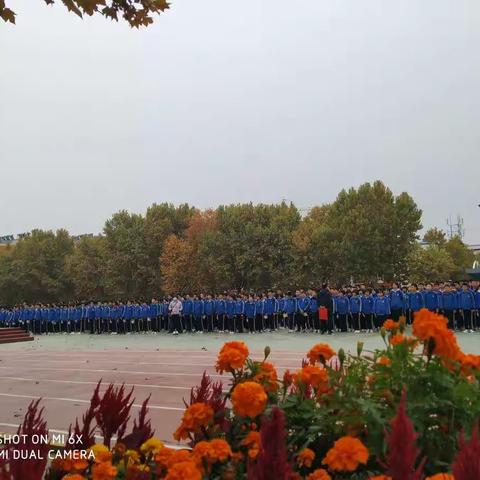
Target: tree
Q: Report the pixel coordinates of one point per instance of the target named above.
(461, 255)
(429, 264)
(86, 269)
(371, 232)
(162, 221)
(128, 269)
(435, 236)
(185, 268)
(252, 245)
(136, 12)
(34, 270)
(314, 248)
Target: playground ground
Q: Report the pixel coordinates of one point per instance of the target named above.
(64, 369)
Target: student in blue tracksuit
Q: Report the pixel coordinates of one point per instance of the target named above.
(313, 311)
(431, 299)
(209, 312)
(450, 305)
(397, 302)
(477, 306)
(269, 312)
(366, 302)
(415, 302)
(230, 314)
(197, 314)
(187, 313)
(303, 305)
(381, 309)
(356, 311)
(281, 310)
(250, 314)
(342, 310)
(466, 307)
(290, 306)
(239, 310)
(259, 312)
(220, 310)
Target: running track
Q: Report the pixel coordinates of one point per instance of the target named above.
(65, 380)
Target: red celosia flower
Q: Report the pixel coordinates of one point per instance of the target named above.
(466, 465)
(402, 451)
(272, 463)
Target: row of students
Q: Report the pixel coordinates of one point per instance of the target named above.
(351, 308)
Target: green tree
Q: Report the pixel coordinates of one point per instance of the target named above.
(372, 232)
(461, 255)
(429, 264)
(34, 271)
(252, 245)
(128, 270)
(435, 236)
(86, 269)
(136, 12)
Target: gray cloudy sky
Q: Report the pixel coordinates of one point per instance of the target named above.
(226, 101)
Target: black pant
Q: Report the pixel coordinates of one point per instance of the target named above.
(221, 322)
(379, 320)
(467, 319)
(239, 323)
(356, 321)
(198, 323)
(451, 318)
(366, 321)
(250, 321)
(315, 321)
(208, 323)
(341, 322)
(176, 324)
(396, 313)
(258, 322)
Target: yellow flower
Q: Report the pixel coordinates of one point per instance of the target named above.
(152, 445)
(101, 452)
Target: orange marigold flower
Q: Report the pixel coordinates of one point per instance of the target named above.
(305, 458)
(75, 465)
(73, 476)
(195, 417)
(319, 474)
(441, 476)
(267, 376)
(346, 455)
(163, 456)
(469, 362)
(249, 399)
(184, 471)
(383, 360)
(321, 352)
(253, 442)
(232, 356)
(397, 339)
(390, 324)
(380, 477)
(313, 376)
(179, 456)
(428, 325)
(104, 471)
(220, 450)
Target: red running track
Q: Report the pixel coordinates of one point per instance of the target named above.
(65, 380)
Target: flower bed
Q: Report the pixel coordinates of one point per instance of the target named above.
(406, 412)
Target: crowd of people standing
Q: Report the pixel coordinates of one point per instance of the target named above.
(325, 310)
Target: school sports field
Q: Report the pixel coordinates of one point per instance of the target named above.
(64, 369)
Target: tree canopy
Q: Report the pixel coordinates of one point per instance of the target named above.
(367, 233)
(136, 12)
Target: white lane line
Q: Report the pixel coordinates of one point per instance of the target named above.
(171, 374)
(78, 382)
(78, 400)
(165, 364)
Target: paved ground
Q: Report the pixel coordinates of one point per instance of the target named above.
(63, 369)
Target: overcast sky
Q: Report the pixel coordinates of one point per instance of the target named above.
(226, 101)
